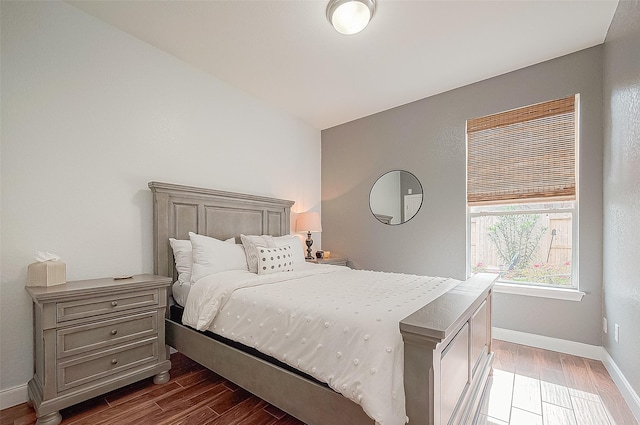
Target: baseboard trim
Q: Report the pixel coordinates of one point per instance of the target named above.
(13, 396)
(594, 352)
(630, 396)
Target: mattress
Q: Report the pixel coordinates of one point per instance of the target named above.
(338, 325)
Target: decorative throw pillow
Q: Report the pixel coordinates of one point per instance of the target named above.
(274, 260)
(297, 252)
(211, 256)
(183, 258)
(251, 244)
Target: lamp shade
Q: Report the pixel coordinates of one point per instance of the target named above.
(350, 16)
(308, 222)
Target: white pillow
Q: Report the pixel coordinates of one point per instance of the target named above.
(183, 259)
(182, 254)
(275, 260)
(251, 244)
(211, 256)
(296, 247)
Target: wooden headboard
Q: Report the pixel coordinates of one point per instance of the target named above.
(178, 210)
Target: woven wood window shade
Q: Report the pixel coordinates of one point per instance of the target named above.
(523, 155)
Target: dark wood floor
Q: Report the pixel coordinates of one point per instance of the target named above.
(193, 396)
(529, 386)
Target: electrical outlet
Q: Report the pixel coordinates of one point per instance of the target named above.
(605, 325)
(616, 334)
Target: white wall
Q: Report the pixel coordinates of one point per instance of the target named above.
(89, 116)
(622, 190)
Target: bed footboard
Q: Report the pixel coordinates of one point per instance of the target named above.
(447, 354)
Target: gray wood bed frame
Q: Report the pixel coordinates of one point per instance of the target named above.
(447, 343)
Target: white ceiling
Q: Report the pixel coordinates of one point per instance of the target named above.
(287, 54)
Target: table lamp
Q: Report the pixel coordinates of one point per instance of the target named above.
(308, 222)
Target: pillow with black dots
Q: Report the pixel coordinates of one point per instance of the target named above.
(275, 260)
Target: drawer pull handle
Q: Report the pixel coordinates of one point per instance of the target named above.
(114, 332)
(114, 361)
(114, 303)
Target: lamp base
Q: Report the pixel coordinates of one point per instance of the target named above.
(309, 243)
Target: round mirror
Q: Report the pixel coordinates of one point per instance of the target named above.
(396, 197)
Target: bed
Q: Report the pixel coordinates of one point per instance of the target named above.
(446, 343)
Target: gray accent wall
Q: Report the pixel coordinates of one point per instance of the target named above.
(622, 189)
(427, 138)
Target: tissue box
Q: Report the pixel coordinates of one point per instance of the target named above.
(47, 273)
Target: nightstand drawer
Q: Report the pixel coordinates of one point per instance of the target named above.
(93, 336)
(85, 369)
(102, 305)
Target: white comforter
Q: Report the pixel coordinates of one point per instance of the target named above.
(336, 324)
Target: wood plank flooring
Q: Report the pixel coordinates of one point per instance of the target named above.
(540, 387)
(529, 386)
(193, 396)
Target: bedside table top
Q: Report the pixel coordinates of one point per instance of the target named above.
(340, 261)
(91, 286)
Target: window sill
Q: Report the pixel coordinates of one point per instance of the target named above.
(536, 291)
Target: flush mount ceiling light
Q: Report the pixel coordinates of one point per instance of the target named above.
(350, 16)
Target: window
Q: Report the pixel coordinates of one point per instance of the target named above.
(521, 194)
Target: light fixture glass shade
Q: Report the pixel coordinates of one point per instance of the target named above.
(308, 222)
(350, 16)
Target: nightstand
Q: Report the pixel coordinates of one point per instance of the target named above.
(94, 336)
(336, 261)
